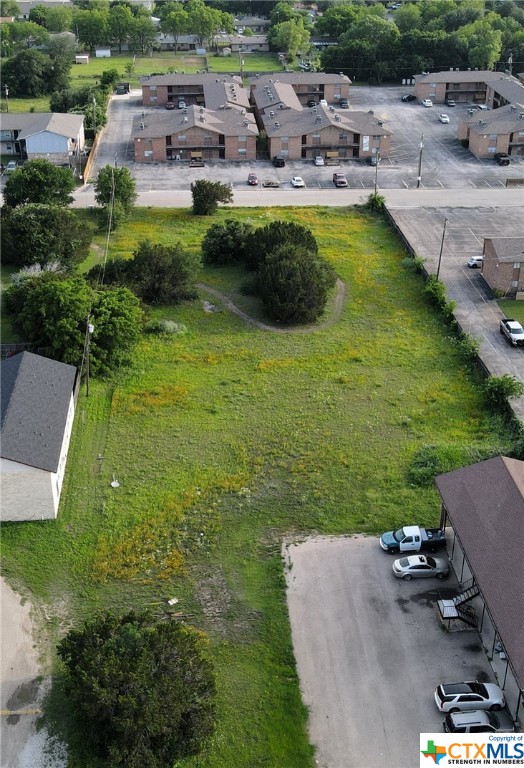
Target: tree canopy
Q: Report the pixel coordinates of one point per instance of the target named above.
(143, 689)
(208, 194)
(115, 185)
(50, 310)
(39, 181)
(294, 283)
(264, 240)
(43, 234)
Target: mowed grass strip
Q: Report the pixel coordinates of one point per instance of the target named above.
(225, 439)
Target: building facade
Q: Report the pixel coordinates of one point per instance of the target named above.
(503, 267)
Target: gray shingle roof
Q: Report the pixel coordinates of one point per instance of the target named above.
(300, 78)
(35, 397)
(485, 503)
(508, 248)
(179, 79)
(291, 122)
(229, 121)
(460, 76)
(503, 120)
(31, 123)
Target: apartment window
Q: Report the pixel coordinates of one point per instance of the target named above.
(242, 139)
(343, 137)
(516, 265)
(315, 139)
(148, 153)
(514, 283)
(208, 140)
(182, 139)
(242, 151)
(284, 139)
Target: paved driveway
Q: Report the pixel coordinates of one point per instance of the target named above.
(370, 652)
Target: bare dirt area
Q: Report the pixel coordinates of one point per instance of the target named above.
(22, 687)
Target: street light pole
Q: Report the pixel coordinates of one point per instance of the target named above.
(94, 116)
(441, 247)
(420, 147)
(377, 158)
(6, 89)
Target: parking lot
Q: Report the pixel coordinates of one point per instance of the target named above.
(445, 163)
(370, 652)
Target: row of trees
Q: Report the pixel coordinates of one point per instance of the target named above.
(421, 36)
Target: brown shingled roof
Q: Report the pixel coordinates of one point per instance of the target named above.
(485, 503)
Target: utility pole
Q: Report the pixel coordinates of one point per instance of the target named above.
(90, 329)
(377, 158)
(6, 89)
(441, 247)
(94, 116)
(421, 148)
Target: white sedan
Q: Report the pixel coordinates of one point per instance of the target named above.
(297, 181)
(443, 118)
(318, 160)
(427, 103)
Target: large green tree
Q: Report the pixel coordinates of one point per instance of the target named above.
(208, 194)
(294, 283)
(226, 243)
(264, 240)
(43, 234)
(119, 24)
(91, 27)
(289, 36)
(27, 34)
(163, 274)
(143, 34)
(27, 74)
(39, 181)
(175, 22)
(143, 689)
(115, 191)
(50, 310)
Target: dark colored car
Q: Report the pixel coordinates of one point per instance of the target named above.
(279, 162)
(170, 105)
(343, 104)
(339, 180)
(312, 103)
(502, 158)
(409, 97)
(450, 102)
(252, 180)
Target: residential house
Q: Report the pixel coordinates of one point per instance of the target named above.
(51, 135)
(257, 24)
(225, 133)
(492, 131)
(243, 44)
(483, 512)
(37, 413)
(503, 267)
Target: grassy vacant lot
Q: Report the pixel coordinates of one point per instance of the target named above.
(226, 440)
(84, 74)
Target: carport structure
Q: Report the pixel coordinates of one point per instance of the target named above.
(483, 505)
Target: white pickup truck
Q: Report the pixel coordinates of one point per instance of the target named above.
(412, 538)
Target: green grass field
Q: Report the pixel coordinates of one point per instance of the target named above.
(225, 440)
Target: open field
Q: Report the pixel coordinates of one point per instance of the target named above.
(224, 439)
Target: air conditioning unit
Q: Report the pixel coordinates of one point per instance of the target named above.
(277, 125)
(318, 119)
(337, 118)
(245, 123)
(271, 114)
(185, 120)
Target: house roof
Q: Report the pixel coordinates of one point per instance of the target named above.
(292, 122)
(507, 248)
(31, 123)
(485, 503)
(509, 88)
(459, 76)
(299, 78)
(36, 393)
(501, 121)
(179, 79)
(228, 121)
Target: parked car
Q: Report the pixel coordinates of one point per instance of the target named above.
(412, 538)
(443, 118)
(170, 105)
(409, 97)
(343, 104)
(475, 261)
(182, 104)
(252, 179)
(339, 180)
(323, 102)
(279, 162)
(450, 103)
(311, 103)
(460, 697)
(502, 158)
(11, 166)
(420, 567)
(513, 331)
(374, 159)
(478, 721)
(480, 107)
(297, 181)
(318, 160)
(427, 103)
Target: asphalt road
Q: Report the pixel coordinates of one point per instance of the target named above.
(370, 652)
